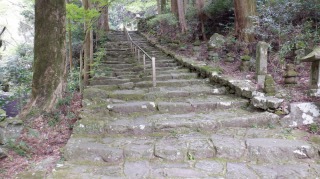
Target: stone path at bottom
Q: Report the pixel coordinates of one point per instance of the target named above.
(183, 128)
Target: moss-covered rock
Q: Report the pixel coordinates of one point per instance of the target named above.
(245, 58)
(269, 86)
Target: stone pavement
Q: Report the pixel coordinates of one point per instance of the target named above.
(186, 127)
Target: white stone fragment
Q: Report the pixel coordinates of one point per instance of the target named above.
(81, 126)
(294, 124)
(307, 119)
(309, 107)
(144, 107)
(59, 165)
(153, 104)
(142, 127)
(109, 106)
(299, 152)
(226, 103)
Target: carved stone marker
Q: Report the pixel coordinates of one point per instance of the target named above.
(314, 57)
(290, 76)
(261, 62)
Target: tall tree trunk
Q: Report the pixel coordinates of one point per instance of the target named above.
(103, 22)
(86, 47)
(48, 81)
(174, 7)
(91, 54)
(163, 6)
(159, 6)
(201, 16)
(243, 9)
(69, 41)
(182, 18)
(70, 44)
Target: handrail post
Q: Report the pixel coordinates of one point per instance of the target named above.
(154, 71)
(144, 63)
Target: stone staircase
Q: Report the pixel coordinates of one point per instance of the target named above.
(183, 128)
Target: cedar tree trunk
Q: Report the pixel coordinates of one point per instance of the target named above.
(49, 53)
(243, 9)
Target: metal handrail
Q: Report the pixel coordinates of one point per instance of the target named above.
(136, 49)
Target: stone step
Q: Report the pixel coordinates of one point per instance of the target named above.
(173, 83)
(93, 93)
(178, 105)
(158, 65)
(183, 147)
(107, 81)
(200, 169)
(118, 66)
(174, 123)
(164, 77)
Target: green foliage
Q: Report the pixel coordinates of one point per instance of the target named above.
(21, 148)
(53, 118)
(217, 7)
(169, 19)
(139, 6)
(64, 101)
(314, 128)
(288, 24)
(73, 80)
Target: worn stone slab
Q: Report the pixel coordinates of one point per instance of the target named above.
(211, 166)
(175, 107)
(128, 85)
(171, 149)
(302, 113)
(268, 150)
(140, 169)
(239, 171)
(132, 107)
(139, 151)
(200, 149)
(107, 81)
(228, 147)
(83, 149)
(283, 171)
(128, 94)
(249, 120)
(91, 170)
(177, 173)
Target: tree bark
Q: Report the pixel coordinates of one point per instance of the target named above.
(182, 18)
(243, 9)
(86, 47)
(174, 7)
(159, 6)
(201, 15)
(48, 81)
(70, 44)
(163, 6)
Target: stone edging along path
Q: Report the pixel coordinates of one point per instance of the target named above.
(243, 88)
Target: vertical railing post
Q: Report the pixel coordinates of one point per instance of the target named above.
(154, 71)
(144, 62)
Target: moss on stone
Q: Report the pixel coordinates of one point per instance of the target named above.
(315, 139)
(245, 58)
(291, 73)
(269, 86)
